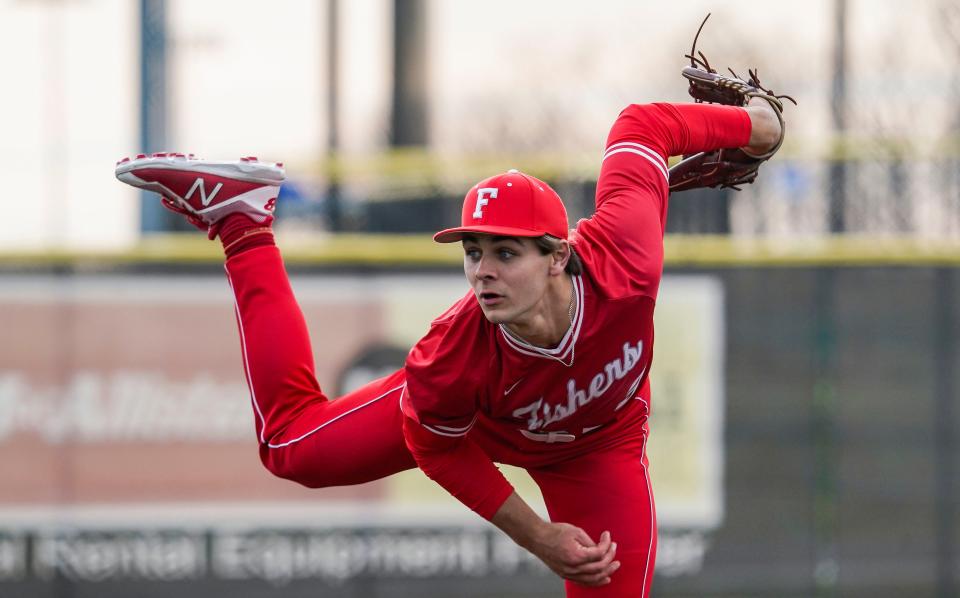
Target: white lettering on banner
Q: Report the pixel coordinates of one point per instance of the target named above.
(204, 198)
(13, 556)
(79, 552)
(156, 556)
(482, 200)
(124, 405)
(282, 557)
(539, 414)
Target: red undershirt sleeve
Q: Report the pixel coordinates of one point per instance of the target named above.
(674, 129)
(460, 466)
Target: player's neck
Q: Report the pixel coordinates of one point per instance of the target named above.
(546, 325)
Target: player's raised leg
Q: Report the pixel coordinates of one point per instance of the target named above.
(303, 436)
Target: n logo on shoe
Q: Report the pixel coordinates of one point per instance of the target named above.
(204, 198)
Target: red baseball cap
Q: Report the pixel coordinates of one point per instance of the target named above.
(512, 204)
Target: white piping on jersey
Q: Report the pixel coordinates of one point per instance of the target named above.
(653, 527)
(641, 150)
(450, 431)
(342, 415)
(642, 400)
(246, 363)
(567, 346)
(461, 429)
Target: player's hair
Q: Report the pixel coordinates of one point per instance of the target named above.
(547, 244)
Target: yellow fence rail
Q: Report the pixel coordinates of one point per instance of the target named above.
(419, 250)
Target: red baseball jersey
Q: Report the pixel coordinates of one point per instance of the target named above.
(475, 393)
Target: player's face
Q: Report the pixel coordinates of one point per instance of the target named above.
(509, 276)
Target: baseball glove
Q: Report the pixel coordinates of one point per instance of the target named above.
(724, 167)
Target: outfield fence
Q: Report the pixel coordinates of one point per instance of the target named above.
(819, 381)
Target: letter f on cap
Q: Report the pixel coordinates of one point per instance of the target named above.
(483, 199)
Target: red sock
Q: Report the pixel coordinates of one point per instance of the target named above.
(239, 233)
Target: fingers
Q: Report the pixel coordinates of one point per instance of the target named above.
(594, 552)
(584, 539)
(600, 566)
(576, 557)
(596, 579)
(598, 563)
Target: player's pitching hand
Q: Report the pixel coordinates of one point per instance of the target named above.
(573, 555)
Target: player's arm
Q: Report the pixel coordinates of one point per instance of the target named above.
(644, 136)
(633, 186)
(566, 549)
(455, 462)
(462, 468)
(439, 407)
(673, 129)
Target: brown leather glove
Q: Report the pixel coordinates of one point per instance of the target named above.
(723, 167)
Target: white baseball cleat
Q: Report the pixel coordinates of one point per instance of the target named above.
(206, 191)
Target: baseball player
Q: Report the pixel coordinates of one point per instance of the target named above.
(543, 364)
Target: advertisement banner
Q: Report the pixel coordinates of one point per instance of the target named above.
(124, 409)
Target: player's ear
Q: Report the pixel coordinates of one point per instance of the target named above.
(559, 258)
